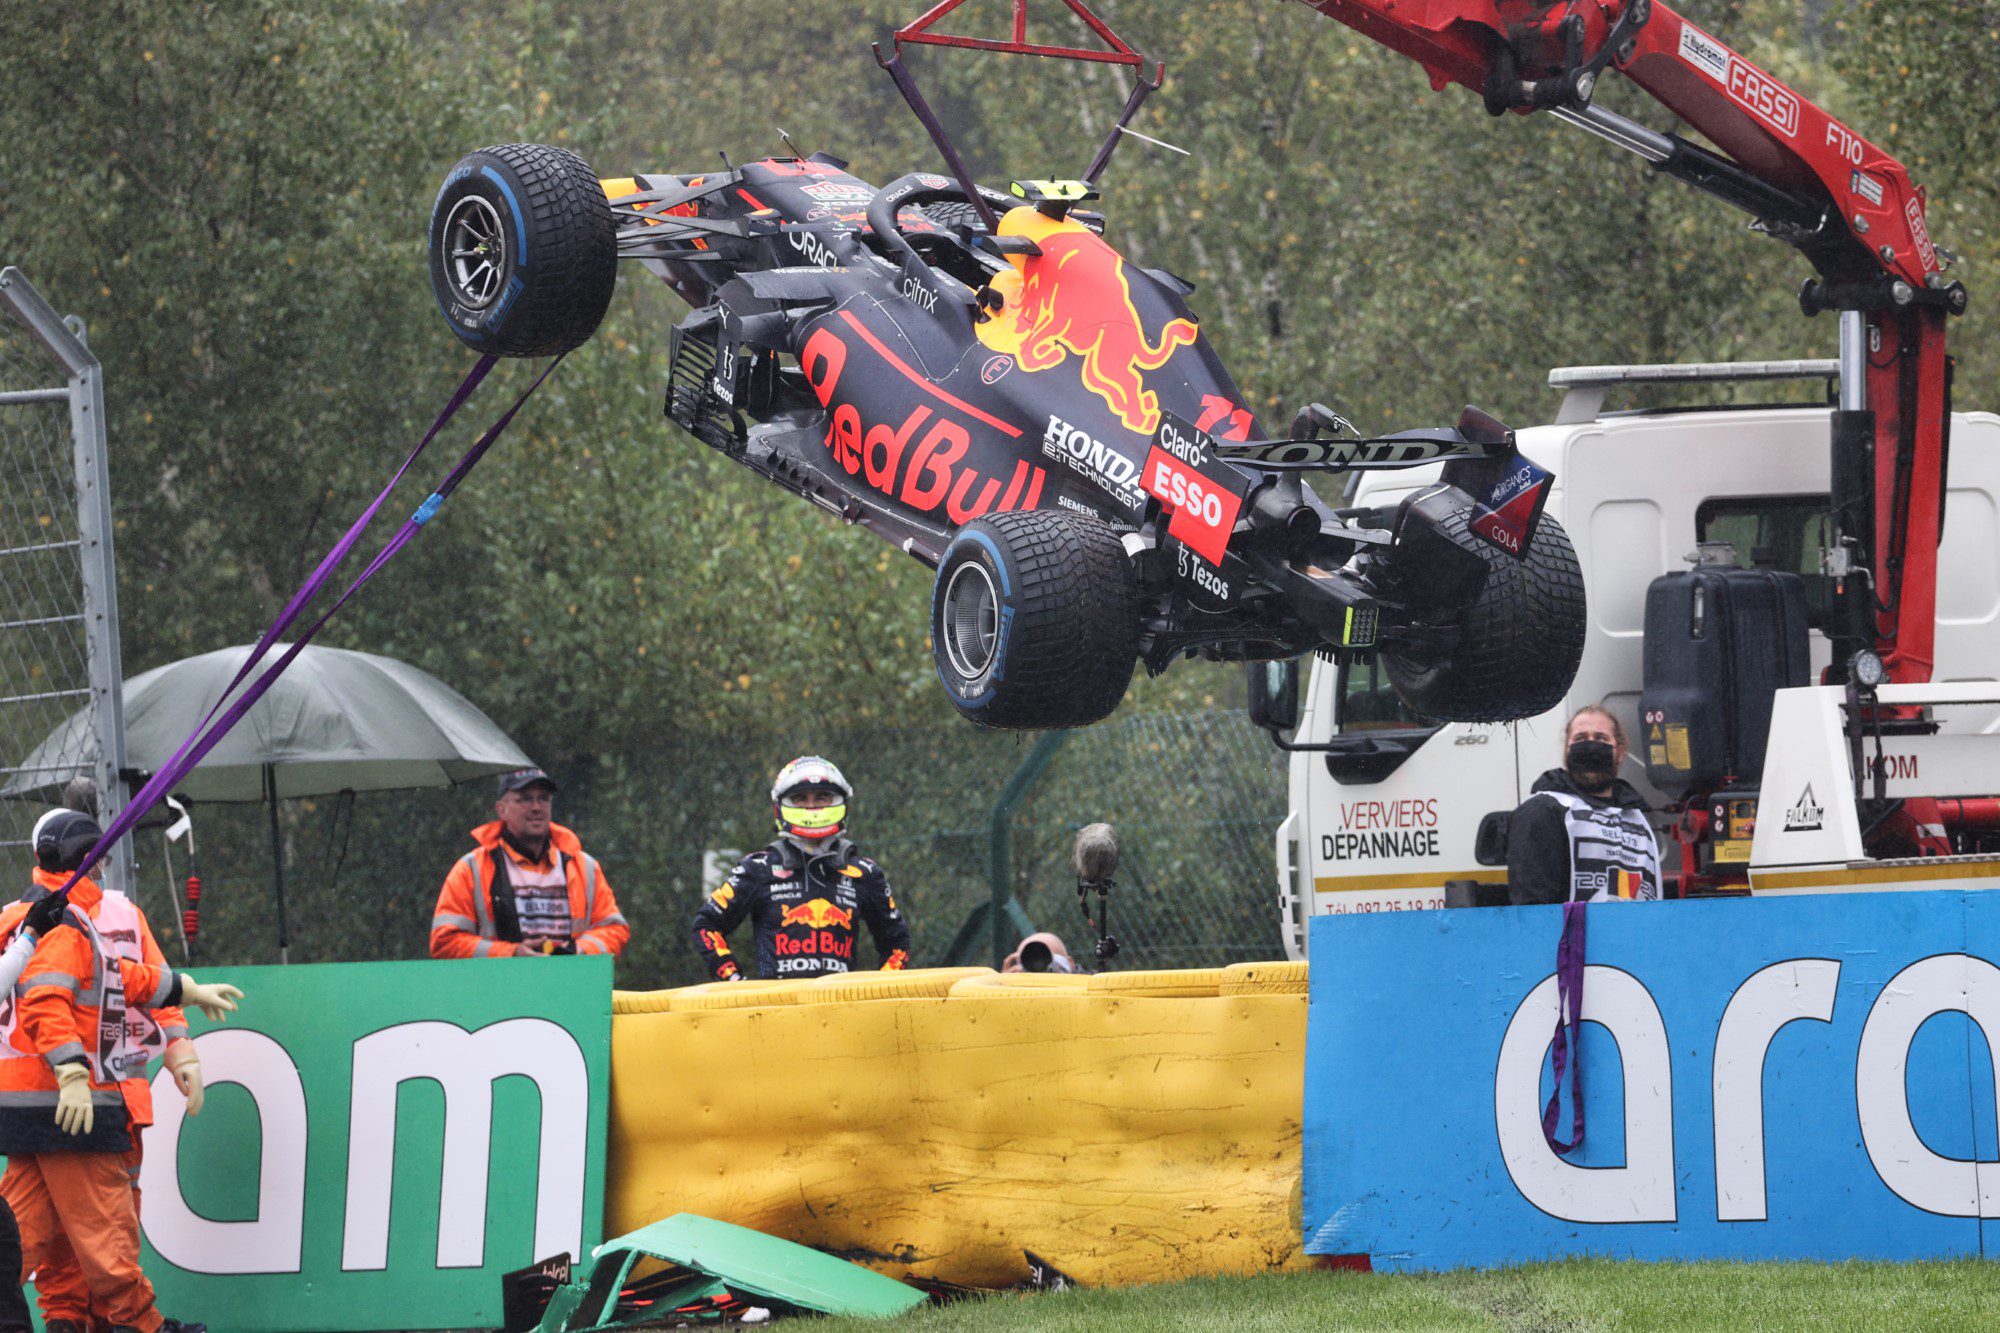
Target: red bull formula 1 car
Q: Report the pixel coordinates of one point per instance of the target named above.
(979, 377)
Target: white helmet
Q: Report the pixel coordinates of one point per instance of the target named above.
(806, 773)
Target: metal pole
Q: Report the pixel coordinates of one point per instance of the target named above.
(1853, 361)
(65, 340)
(277, 863)
(100, 605)
(1000, 834)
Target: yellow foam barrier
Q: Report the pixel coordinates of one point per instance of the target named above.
(937, 1126)
(917, 984)
(1021, 986)
(1188, 984)
(731, 995)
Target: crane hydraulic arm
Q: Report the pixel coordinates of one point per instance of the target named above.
(1807, 179)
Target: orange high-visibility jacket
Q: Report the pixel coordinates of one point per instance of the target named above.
(58, 1005)
(463, 925)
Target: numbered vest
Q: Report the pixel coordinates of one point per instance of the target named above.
(1613, 855)
(126, 1038)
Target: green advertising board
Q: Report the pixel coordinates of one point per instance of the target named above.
(381, 1141)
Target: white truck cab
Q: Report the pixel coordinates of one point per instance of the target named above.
(1384, 819)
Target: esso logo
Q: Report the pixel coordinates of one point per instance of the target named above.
(1188, 495)
(995, 369)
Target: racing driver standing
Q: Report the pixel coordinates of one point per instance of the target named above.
(803, 892)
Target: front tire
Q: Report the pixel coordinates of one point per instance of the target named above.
(523, 250)
(1520, 640)
(1035, 620)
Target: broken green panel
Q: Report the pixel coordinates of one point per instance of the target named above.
(712, 1255)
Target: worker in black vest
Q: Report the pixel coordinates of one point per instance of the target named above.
(1583, 835)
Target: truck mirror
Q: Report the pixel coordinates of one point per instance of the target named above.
(1489, 845)
(1274, 694)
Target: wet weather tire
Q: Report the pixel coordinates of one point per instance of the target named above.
(524, 250)
(1520, 641)
(1035, 620)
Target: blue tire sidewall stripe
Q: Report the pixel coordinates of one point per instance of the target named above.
(520, 223)
(1006, 621)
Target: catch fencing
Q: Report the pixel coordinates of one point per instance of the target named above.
(60, 692)
(1195, 798)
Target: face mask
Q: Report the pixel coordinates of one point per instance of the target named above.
(1590, 759)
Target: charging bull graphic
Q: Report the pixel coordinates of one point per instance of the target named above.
(1074, 300)
(817, 913)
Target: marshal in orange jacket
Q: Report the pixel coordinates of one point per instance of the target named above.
(58, 1007)
(465, 925)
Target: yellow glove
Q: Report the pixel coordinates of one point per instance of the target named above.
(74, 1114)
(213, 998)
(185, 1065)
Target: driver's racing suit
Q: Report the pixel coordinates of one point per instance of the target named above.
(802, 907)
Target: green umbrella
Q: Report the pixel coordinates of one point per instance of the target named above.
(336, 721)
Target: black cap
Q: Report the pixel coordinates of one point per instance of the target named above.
(63, 838)
(525, 777)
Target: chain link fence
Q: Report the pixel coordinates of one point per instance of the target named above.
(1195, 798)
(59, 683)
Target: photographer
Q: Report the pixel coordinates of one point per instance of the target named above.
(1040, 952)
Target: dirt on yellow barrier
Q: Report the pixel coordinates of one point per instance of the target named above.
(1129, 1127)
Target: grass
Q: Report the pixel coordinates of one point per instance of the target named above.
(1577, 1294)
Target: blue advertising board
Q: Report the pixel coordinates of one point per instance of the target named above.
(1796, 1078)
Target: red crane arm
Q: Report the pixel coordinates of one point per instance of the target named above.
(1846, 204)
(1503, 48)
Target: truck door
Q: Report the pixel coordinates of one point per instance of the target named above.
(1389, 814)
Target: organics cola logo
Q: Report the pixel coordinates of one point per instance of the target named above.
(838, 192)
(1075, 300)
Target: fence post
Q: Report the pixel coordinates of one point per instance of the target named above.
(1000, 833)
(96, 612)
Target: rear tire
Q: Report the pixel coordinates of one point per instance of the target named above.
(1035, 620)
(1520, 640)
(523, 250)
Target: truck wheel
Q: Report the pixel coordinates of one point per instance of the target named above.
(524, 250)
(1035, 620)
(1520, 642)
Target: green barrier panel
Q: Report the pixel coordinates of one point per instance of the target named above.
(381, 1142)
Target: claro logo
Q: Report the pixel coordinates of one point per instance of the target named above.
(1645, 1188)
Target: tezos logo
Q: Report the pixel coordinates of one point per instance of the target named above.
(995, 369)
(1805, 816)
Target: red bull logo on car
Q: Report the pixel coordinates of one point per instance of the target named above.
(1074, 299)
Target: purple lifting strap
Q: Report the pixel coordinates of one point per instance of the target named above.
(205, 737)
(1568, 1044)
